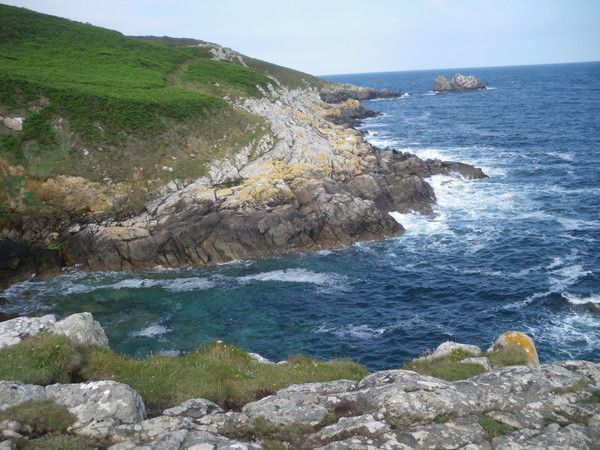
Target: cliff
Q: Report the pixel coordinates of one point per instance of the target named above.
(121, 153)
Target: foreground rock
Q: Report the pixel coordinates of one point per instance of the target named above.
(81, 329)
(457, 83)
(554, 406)
(516, 407)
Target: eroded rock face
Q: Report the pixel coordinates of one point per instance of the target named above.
(81, 329)
(457, 83)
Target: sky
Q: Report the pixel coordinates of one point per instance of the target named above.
(351, 36)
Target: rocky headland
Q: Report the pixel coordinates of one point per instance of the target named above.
(458, 83)
(492, 405)
(311, 183)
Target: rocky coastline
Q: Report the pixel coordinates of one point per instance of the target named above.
(312, 183)
(503, 407)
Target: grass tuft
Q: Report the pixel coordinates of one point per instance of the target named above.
(493, 428)
(218, 372)
(43, 416)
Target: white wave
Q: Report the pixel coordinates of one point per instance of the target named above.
(431, 93)
(563, 277)
(556, 262)
(577, 224)
(582, 299)
(363, 332)
(382, 141)
(420, 224)
(429, 153)
(565, 156)
(574, 334)
(150, 331)
(294, 276)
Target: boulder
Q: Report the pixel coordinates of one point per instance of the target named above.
(457, 83)
(15, 330)
(12, 393)
(13, 123)
(98, 405)
(446, 348)
(510, 338)
(81, 329)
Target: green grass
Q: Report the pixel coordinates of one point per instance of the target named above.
(493, 428)
(43, 416)
(100, 104)
(219, 372)
(46, 359)
(450, 368)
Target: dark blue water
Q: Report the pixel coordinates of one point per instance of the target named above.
(520, 250)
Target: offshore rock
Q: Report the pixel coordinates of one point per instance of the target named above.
(457, 83)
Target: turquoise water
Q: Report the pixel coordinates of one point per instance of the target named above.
(520, 250)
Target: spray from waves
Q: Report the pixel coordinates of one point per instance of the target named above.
(570, 335)
(327, 280)
(420, 224)
(592, 299)
(151, 331)
(362, 332)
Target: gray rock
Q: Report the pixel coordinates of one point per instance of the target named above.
(98, 405)
(446, 348)
(81, 329)
(12, 393)
(15, 330)
(194, 408)
(7, 445)
(450, 435)
(259, 358)
(482, 361)
(457, 83)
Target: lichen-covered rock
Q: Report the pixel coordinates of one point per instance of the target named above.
(194, 408)
(12, 393)
(15, 330)
(518, 338)
(81, 329)
(98, 404)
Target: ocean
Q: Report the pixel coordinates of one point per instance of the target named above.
(517, 251)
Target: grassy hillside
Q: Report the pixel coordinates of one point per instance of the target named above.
(106, 106)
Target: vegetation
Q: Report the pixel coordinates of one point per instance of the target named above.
(493, 428)
(451, 368)
(57, 441)
(42, 416)
(219, 372)
(103, 105)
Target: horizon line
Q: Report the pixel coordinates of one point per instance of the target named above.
(461, 68)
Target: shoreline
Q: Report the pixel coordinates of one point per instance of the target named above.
(338, 194)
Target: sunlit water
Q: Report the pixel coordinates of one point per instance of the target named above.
(520, 250)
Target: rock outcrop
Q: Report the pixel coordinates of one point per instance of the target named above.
(81, 329)
(457, 83)
(554, 406)
(315, 186)
(339, 93)
(517, 407)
